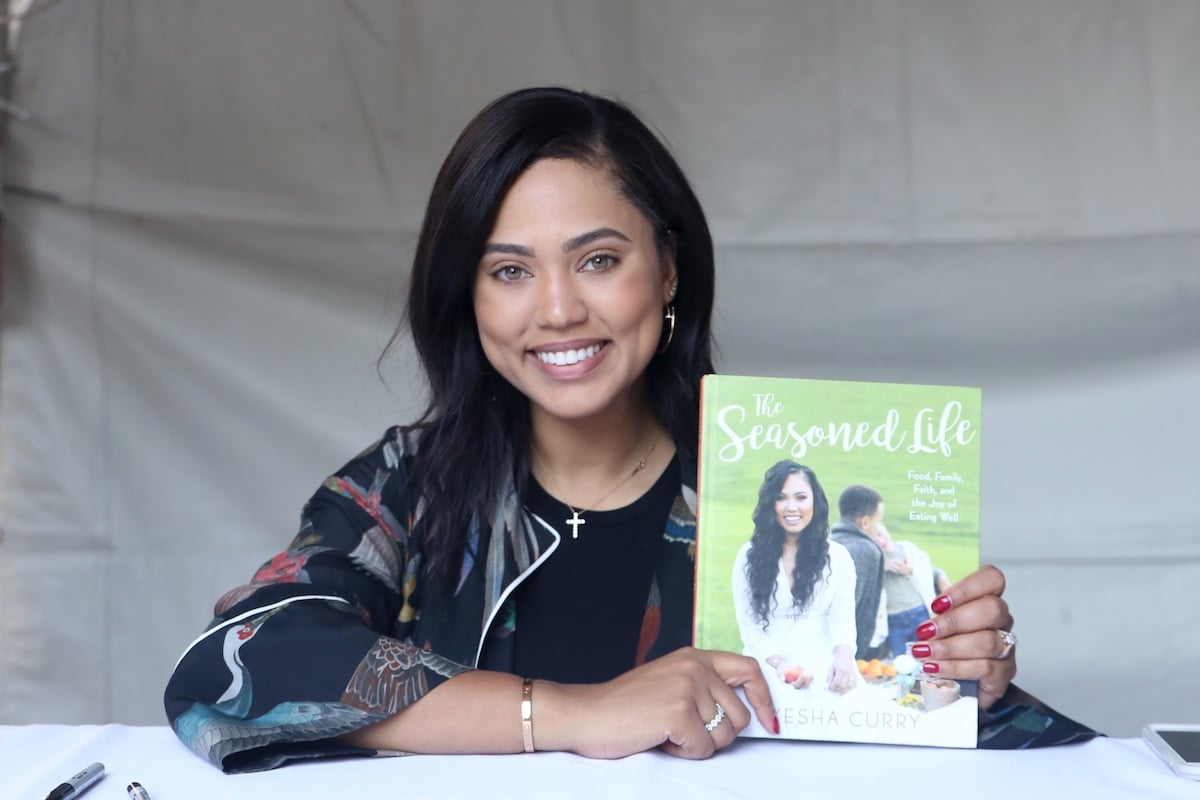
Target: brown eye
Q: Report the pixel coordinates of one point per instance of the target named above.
(600, 262)
(509, 273)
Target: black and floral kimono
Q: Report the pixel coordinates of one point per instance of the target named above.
(335, 633)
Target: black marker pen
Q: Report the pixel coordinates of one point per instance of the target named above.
(78, 783)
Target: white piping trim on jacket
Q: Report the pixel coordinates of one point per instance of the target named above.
(517, 582)
(258, 610)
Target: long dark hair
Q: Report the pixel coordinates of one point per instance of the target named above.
(766, 544)
(475, 430)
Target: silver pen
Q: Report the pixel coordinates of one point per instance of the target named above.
(78, 783)
(136, 792)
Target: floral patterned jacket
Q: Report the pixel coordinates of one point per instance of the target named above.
(335, 633)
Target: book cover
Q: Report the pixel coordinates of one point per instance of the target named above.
(831, 514)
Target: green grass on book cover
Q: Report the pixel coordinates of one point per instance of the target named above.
(778, 564)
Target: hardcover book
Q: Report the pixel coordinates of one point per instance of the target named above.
(831, 514)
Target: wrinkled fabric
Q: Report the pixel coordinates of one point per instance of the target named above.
(1019, 720)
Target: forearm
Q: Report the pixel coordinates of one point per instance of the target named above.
(477, 712)
(664, 703)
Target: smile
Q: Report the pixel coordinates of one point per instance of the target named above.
(561, 358)
(792, 519)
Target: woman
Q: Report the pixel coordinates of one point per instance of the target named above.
(793, 589)
(560, 300)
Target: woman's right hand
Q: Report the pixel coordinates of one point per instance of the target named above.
(664, 703)
(793, 675)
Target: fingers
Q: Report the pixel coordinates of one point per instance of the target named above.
(963, 642)
(736, 716)
(971, 656)
(973, 604)
(985, 644)
(690, 683)
(995, 680)
(993, 675)
(793, 675)
(744, 672)
(714, 675)
(987, 580)
(982, 614)
(734, 719)
(668, 703)
(837, 681)
(708, 729)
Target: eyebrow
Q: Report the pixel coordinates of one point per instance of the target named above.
(510, 249)
(591, 236)
(574, 243)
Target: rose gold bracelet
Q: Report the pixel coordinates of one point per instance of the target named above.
(527, 714)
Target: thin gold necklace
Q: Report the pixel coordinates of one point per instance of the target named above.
(576, 519)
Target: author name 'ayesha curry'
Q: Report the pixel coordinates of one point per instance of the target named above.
(930, 430)
(898, 720)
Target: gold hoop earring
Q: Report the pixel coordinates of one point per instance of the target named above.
(669, 318)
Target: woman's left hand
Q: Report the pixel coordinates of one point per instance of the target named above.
(965, 640)
(843, 675)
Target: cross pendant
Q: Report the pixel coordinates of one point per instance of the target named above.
(575, 521)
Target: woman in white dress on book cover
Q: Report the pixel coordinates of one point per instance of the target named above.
(793, 588)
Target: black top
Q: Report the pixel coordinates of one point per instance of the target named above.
(580, 613)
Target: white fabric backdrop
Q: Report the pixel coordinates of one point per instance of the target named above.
(210, 214)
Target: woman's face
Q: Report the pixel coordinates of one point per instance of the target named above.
(794, 506)
(570, 291)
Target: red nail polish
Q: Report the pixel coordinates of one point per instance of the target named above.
(931, 668)
(776, 725)
(927, 630)
(922, 651)
(941, 604)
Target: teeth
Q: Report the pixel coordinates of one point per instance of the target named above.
(562, 358)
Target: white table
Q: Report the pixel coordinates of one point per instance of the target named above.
(35, 758)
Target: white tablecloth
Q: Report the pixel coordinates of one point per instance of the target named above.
(35, 758)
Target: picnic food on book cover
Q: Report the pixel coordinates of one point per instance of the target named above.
(831, 515)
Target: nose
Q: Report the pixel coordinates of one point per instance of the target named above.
(560, 301)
